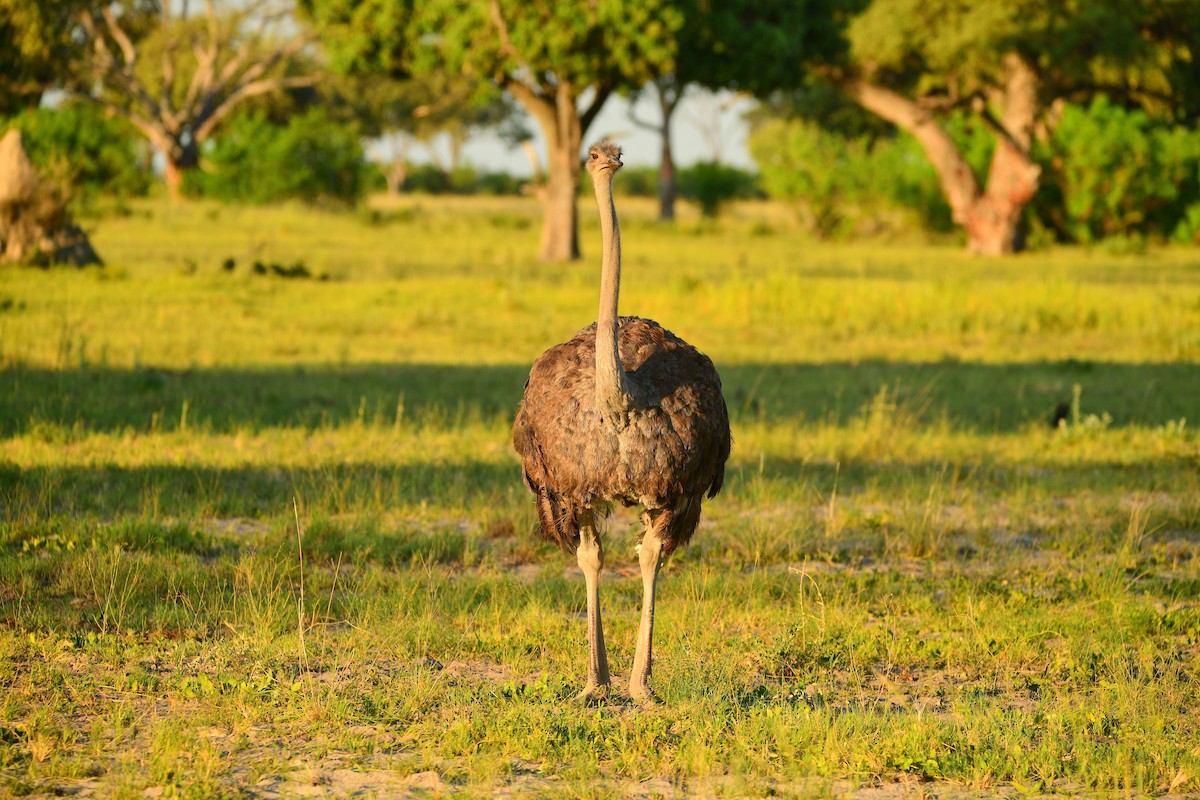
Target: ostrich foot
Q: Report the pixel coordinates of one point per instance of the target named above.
(642, 694)
(594, 693)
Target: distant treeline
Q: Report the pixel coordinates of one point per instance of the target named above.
(1108, 174)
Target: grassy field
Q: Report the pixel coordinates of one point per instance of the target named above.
(265, 536)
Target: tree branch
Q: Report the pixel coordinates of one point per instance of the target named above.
(147, 127)
(997, 127)
(205, 125)
(206, 61)
(107, 65)
(244, 53)
(119, 36)
(509, 50)
(537, 105)
(958, 182)
(589, 114)
(668, 98)
(168, 61)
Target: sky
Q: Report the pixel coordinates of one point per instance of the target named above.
(706, 126)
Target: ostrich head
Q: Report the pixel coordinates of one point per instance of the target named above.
(603, 156)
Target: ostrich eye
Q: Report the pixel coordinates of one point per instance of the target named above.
(595, 156)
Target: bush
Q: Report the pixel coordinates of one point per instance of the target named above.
(712, 184)
(312, 159)
(464, 179)
(1115, 172)
(840, 181)
(95, 153)
(1108, 173)
(499, 183)
(634, 181)
(847, 184)
(426, 178)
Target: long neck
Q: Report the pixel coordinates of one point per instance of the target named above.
(610, 378)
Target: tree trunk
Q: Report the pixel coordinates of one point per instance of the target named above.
(994, 221)
(396, 174)
(666, 167)
(173, 174)
(535, 163)
(668, 94)
(180, 156)
(560, 217)
(563, 126)
(991, 217)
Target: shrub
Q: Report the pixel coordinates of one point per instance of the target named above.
(426, 178)
(499, 183)
(464, 179)
(634, 181)
(312, 159)
(95, 153)
(841, 182)
(712, 184)
(1116, 172)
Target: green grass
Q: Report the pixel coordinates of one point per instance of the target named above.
(267, 536)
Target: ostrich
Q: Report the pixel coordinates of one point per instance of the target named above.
(624, 412)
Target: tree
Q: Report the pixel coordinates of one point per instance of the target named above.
(405, 110)
(36, 46)
(453, 107)
(745, 45)
(94, 152)
(1011, 64)
(176, 77)
(560, 61)
(310, 158)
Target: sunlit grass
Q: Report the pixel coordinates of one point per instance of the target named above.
(262, 534)
(451, 284)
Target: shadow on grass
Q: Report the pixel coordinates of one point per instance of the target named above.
(992, 397)
(491, 490)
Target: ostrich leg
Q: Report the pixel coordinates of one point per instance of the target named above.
(591, 558)
(650, 558)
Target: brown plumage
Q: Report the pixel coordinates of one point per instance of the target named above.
(669, 453)
(625, 412)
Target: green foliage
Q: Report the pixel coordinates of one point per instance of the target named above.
(311, 159)
(843, 183)
(707, 183)
(933, 55)
(1119, 172)
(608, 43)
(957, 46)
(1110, 173)
(464, 179)
(426, 178)
(931, 41)
(497, 183)
(635, 182)
(712, 184)
(820, 101)
(35, 46)
(821, 171)
(95, 152)
(754, 46)
(565, 39)
(1077, 426)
